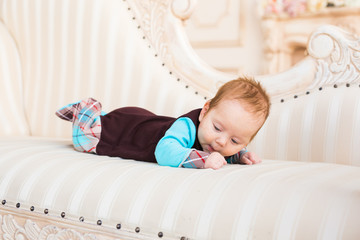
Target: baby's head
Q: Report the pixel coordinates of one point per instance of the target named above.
(230, 120)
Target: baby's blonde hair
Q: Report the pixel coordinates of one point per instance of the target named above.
(247, 91)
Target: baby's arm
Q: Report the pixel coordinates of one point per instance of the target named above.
(200, 159)
(174, 149)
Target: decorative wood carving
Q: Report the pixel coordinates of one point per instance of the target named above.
(338, 56)
(284, 35)
(162, 24)
(11, 229)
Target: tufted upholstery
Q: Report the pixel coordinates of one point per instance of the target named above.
(135, 52)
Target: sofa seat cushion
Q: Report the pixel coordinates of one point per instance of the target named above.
(274, 199)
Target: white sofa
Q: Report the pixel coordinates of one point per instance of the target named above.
(135, 52)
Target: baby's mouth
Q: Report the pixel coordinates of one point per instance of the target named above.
(210, 149)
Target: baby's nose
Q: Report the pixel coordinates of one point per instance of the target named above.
(221, 141)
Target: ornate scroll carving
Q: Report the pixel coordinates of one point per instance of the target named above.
(11, 229)
(162, 24)
(338, 56)
(153, 13)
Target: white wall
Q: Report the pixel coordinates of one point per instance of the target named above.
(227, 35)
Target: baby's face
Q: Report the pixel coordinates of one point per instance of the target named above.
(226, 128)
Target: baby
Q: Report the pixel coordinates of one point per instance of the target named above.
(209, 137)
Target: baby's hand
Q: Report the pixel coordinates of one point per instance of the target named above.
(250, 158)
(215, 161)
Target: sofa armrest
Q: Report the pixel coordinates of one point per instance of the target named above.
(13, 120)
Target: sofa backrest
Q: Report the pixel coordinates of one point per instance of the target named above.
(321, 126)
(70, 50)
(13, 120)
(317, 119)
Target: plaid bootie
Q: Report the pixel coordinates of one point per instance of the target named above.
(85, 116)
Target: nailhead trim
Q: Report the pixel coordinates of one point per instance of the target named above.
(156, 55)
(320, 89)
(81, 219)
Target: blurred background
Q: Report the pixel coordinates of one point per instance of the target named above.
(263, 36)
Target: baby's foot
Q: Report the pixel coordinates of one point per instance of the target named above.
(70, 112)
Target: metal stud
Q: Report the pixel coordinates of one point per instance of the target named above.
(320, 88)
(18, 205)
(160, 234)
(118, 226)
(62, 214)
(3, 202)
(295, 96)
(137, 229)
(81, 219)
(32, 208)
(99, 222)
(46, 211)
(348, 85)
(282, 100)
(307, 93)
(335, 86)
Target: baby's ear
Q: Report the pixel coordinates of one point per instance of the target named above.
(204, 110)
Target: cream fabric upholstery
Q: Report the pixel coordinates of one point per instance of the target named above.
(13, 120)
(273, 200)
(315, 115)
(135, 52)
(322, 126)
(71, 50)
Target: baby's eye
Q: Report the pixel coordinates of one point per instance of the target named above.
(234, 141)
(216, 128)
